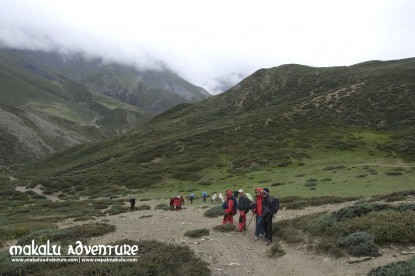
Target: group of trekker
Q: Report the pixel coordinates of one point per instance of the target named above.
(176, 203)
(192, 197)
(263, 207)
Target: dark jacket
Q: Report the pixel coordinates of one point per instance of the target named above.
(270, 206)
(243, 204)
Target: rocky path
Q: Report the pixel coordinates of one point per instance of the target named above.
(233, 253)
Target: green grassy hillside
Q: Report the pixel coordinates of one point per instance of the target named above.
(300, 130)
(44, 112)
(60, 100)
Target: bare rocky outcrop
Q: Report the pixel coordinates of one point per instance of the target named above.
(28, 136)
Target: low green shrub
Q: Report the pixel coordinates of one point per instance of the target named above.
(393, 173)
(197, 233)
(360, 244)
(276, 251)
(148, 216)
(310, 184)
(329, 168)
(284, 164)
(295, 205)
(405, 268)
(382, 223)
(373, 172)
(322, 225)
(100, 204)
(162, 206)
(294, 202)
(143, 207)
(84, 218)
(154, 258)
(287, 232)
(225, 228)
(18, 230)
(405, 207)
(65, 235)
(38, 196)
(214, 212)
(289, 199)
(117, 209)
(328, 245)
(386, 226)
(358, 210)
(396, 195)
(277, 184)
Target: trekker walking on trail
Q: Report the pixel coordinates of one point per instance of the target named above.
(204, 196)
(257, 209)
(191, 197)
(177, 203)
(243, 207)
(172, 203)
(270, 208)
(230, 208)
(132, 203)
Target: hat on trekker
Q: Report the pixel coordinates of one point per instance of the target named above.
(240, 191)
(265, 191)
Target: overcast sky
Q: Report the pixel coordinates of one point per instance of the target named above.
(203, 40)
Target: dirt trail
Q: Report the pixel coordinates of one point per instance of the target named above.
(231, 253)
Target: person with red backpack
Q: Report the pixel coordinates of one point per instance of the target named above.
(257, 206)
(177, 203)
(230, 207)
(172, 203)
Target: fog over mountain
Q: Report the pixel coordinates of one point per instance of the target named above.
(204, 41)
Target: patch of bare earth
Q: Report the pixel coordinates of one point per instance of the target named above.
(233, 253)
(37, 189)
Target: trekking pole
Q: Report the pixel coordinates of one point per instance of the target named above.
(249, 223)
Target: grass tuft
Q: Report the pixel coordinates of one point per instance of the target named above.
(276, 251)
(197, 233)
(225, 228)
(214, 212)
(404, 268)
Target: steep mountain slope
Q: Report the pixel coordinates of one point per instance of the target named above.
(43, 112)
(151, 90)
(52, 101)
(276, 117)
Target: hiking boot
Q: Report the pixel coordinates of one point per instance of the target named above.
(269, 243)
(256, 238)
(261, 235)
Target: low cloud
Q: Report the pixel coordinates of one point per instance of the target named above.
(212, 43)
(223, 83)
